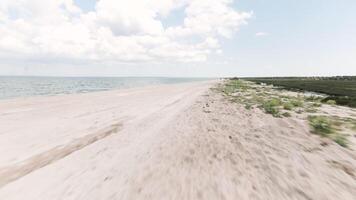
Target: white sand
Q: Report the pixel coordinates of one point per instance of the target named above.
(164, 142)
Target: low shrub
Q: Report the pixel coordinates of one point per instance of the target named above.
(228, 90)
(297, 103)
(341, 140)
(248, 106)
(288, 106)
(331, 102)
(286, 114)
(321, 125)
(271, 107)
(274, 102)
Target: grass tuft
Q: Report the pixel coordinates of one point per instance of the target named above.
(315, 104)
(271, 107)
(248, 106)
(321, 125)
(297, 103)
(341, 140)
(326, 127)
(286, 114)
(251, 96)
(331, 102)
(354, 126)
(288, 106)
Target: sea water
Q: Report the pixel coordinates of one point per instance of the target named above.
(12, 87)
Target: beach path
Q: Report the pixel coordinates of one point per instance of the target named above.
(180, 141)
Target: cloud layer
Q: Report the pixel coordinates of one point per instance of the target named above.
(116, 31)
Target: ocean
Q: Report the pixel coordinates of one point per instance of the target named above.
(13, 87)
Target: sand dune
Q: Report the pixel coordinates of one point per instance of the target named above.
(181, 141)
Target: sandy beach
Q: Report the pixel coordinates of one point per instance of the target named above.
(179, 141)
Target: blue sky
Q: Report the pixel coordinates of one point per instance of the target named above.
(304, 38)
(86, 5)
(281, 38)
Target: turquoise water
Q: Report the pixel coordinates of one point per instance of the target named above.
(12, 87)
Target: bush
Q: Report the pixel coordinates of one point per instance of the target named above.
(346, 101)
(228, 90)
(341, 90)
(270, 107)
(238, 84)
(297, 103)
(248, 106)
(274, 102)
(288, 106)
(331, 102)
(286, 114)
(234, 85)
(324, 127)
(321, 125)
(341, 140)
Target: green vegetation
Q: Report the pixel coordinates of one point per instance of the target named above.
(265, 97)
(331, 102)
(329, 127)
(347, 123)
(354, 126)
(248, 106)
(321, 125)
(342, 90)
(271, 107)
(316, 104)
(286, 114)
(341, 140)
(234, 86)
(281, 103)
(297, 103)
(288, 106)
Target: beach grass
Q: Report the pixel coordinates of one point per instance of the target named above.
(271, 101)
(329, 127)
(281, 103)
(321, 125)
(272, 107)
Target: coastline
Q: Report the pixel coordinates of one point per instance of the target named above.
(41, 114)
(181, 141)
(27, 87)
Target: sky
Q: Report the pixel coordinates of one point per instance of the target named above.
(178, 38)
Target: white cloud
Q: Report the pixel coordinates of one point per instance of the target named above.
(117, 31)
(261, 34)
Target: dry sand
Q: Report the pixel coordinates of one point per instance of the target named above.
(180, 141)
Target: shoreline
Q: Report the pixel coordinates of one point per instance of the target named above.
(67, 109)
(103, 91)
(23, 87)
(182, 141)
